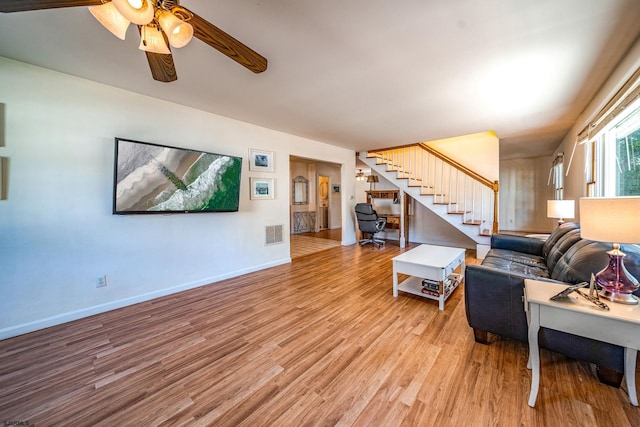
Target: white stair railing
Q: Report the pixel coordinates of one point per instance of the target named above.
(463, 191)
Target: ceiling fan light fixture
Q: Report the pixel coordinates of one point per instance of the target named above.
(152, 40)
(139, 12)
(177, 30)
(111, 19)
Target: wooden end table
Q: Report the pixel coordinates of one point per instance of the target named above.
(620, 325)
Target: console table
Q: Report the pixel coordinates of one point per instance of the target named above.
(620, 325)
(304, 222)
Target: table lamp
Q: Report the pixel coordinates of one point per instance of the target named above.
(372, 179)
(606, 219)
(561, 209)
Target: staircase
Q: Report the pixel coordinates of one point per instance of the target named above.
(463, 198)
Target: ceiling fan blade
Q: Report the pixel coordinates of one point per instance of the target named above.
(7, 6)
(218, 39)
(162, 67)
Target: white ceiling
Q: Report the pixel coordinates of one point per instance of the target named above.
(366, 74)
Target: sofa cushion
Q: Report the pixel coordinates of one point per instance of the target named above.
(530, 266)
(582, 259)
(586, 257)
(517, 243)
(519, 257)
(556, 235)
(561, 247)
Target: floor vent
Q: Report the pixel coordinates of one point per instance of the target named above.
(274, 234)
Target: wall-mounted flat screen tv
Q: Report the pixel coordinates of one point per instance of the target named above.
(151, 178)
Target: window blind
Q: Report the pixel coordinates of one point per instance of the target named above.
(628, 93)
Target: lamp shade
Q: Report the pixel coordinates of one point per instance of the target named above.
(178, 31)
(561, 209)
(108, 15)
(610, 219)
(139, 12)
(152, 40)
(373, 178)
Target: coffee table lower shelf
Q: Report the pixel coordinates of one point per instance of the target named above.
(413, 285)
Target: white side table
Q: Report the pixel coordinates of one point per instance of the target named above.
(428, 262)
(620, 325)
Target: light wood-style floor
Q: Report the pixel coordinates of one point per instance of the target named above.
(320, 341)
(308, 243)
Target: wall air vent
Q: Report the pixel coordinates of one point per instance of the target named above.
(274, 234)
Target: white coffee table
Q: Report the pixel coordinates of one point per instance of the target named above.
(428, 262)
(620, 325)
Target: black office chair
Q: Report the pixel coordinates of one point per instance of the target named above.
(369, 222)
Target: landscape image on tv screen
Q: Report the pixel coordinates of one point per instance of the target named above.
(151, 178)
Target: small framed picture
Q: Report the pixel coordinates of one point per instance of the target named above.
(260, 160)
(336, 188)
(262, 188)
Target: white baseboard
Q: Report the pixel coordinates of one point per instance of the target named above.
(61, 318)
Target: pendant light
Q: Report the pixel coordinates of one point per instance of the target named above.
(152, 40)
(177, 30)
(139, 12)
(111, 19)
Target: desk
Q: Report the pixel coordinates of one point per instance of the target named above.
(620, 325)
(392, 226)
(382, 201)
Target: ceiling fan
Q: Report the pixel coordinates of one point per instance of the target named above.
(161, 23)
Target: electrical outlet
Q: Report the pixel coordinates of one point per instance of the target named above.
(101, 281)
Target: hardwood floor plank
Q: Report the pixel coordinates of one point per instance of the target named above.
(319, 341)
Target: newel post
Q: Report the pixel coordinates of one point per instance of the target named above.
(496, 188)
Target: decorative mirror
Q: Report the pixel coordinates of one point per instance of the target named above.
(300, 191)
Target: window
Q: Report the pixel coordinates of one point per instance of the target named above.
(557, 175)
(613, 157)
(627, 155)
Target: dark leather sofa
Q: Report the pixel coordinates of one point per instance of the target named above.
(494, 291)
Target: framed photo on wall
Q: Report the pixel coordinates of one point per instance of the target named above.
(260, 160)
(262, 188)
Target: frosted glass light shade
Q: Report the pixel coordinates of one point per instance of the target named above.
(178, 32)
(610, 219)
(152, 40)
(139, 12)
(561, 209)
(108, 15)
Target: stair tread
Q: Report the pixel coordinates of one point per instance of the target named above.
(392, 162)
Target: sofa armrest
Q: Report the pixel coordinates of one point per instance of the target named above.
(527, 245)
(494, 301)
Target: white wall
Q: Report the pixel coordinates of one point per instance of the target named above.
(480, 152)
(427, 227)
(523, 182)
(57, 233)
(524, 193)
(575, 183)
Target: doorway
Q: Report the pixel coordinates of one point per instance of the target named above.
(323, 204)
(316, 223)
